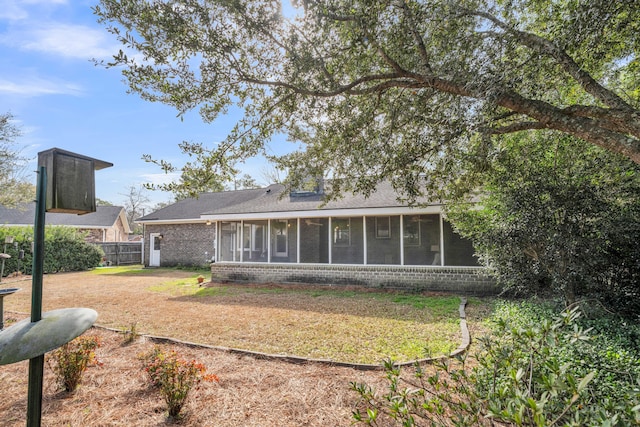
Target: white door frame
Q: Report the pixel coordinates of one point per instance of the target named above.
(154, 253)
(281, 234)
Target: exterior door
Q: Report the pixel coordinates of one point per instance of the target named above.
(281, 243)
(154, 249)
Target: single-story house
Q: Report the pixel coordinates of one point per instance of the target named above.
(106, 224)
(266, 235)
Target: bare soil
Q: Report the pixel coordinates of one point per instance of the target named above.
(252, 391)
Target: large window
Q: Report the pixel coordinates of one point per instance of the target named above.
(412, 231)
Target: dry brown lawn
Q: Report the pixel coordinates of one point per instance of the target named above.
(252, 391)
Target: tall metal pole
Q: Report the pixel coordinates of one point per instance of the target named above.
(4, 251)
(36, 365)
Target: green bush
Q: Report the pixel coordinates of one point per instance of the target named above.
(69, 362)
(64, 250)
(64, 254)
(174, 377)
(557, 217)
(22, 241)
(533, 370)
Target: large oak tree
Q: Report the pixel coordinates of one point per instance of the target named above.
(386, 89)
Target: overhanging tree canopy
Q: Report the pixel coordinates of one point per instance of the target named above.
(387, 89)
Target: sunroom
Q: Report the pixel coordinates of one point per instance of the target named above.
(339, 237)
(271, 235)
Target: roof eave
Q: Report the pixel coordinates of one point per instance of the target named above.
(172, 221)
(322, 213)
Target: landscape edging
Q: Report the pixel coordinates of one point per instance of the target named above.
(465, 342)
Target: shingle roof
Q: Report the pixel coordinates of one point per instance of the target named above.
(192, 208)
(267, 200)
(271, 200)
(105, 216)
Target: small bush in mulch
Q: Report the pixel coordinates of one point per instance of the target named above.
(70, 361)
(174, 377)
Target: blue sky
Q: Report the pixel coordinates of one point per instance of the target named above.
(59, 98)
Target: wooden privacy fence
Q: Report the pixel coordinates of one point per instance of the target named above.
(121, 253)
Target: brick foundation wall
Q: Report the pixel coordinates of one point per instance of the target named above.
(465, 280)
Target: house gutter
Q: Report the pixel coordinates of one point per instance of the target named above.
(323, 213)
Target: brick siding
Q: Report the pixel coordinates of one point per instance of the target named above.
(182, 244)
(465, 280)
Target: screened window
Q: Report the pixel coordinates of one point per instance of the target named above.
(383, 240)
(412, 231)
(421, 239)
(283, 240)
(347, 241)
(458, 250)
(314, 240)
(228, 246)
(254, 238)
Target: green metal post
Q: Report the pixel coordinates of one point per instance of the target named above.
(4, 251)
(36, 365)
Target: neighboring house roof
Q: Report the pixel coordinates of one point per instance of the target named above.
(269, 200)
(103, 217)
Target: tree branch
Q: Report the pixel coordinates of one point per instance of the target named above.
(586, 128)
(422, 50)
(514, 127)
(588, 83)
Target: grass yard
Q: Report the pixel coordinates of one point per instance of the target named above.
(346, 325)
(342, 324)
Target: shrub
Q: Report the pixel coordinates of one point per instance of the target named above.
(69, 362)
(174, 377)
(533, 371)
(70, 253)
(557, 216)
(64, 250)
(22, 241)
(131, 333)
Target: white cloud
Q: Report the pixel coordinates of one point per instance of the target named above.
(36, 86)
(17, 10)
(67, 40)
(13, 12)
